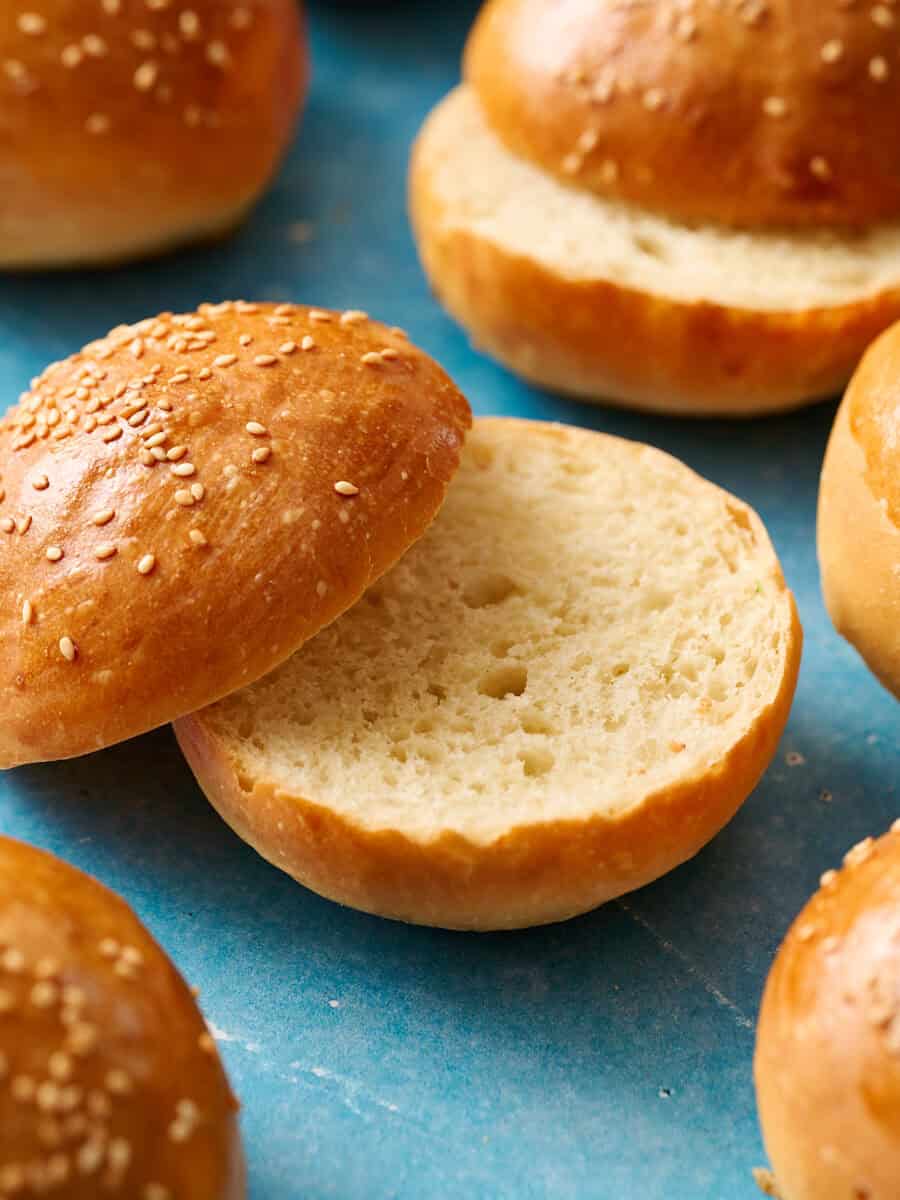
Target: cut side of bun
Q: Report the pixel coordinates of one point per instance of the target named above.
(562, 692)
(568, 288)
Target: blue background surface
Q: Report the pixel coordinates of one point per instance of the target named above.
(609, 1057)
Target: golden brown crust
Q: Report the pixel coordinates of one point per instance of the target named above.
(859, 515)
(111, 1083)
(757, 114)
(590, 338)
(828, 1047)
(165, 543)
(172, 119)
(534, 874)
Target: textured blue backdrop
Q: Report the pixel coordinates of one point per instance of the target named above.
(609, 1057)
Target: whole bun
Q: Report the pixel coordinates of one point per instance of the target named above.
(129, 127)
(110, 1083)
(748, 112)
(859, 513)
(828, 1045)
(186, 501)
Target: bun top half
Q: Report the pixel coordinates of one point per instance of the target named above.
(755, 113)
(184, 502)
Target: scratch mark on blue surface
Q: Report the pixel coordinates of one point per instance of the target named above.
(351, 1090)
(222, 1035)
(692, 969)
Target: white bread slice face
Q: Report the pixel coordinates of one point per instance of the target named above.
(564, 690)
(604, 300)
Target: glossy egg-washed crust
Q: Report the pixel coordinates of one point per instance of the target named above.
(741, 112)
(590, 337)
(828, 1048)
(170, 524)
(127, 126)
(859, 512)
(110, 1083)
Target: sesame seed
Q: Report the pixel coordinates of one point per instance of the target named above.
(97, 124)
(287, 347)
(317, 316)
(156, 1191)
(308, 343)
(146, 75)
(217, 54)
(118, 1082)
(23, 524)
(354, 316)
(94, 45)
(156, 440)
(833, 51)
(46, 993)
(113, 435)
(882, 16)
(184, 498)
(223, 360)
(879, 69)
(40, 483)
(176, 453)
(198, 491)
(183, 469)
(372, 359)
(820, 168)
(343, 488)
(7, 524)
(72, 57)
(256, 429)
(68, 649)
(654, 99)
(775, 106)
(261, 454)
(198, 538)
(265, 360)
(32, 24)
(321, 588)
(105, 551)
(146, 564)
(188, 24)
(12, 961)
(389, 354)
(207, 1044)
(245, 339)
(27, 612)
(54, 553)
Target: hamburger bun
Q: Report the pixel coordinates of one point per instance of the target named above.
(859, 513)
(186, 501)
(110, 1083)
(130, 127)
(562, 692)
(660, 206)
(828, 1043)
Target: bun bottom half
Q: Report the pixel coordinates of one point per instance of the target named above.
(512, 729)
(610, 303)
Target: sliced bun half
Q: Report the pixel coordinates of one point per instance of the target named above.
(589, 295)
(186, 501)
(562, 692)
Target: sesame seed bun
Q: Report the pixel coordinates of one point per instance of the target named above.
(564, 690)
(597, 298)
(828, 1044)
(110, 1083)
(186, 501)
(756, 113)
(131, 126)
(859, 513)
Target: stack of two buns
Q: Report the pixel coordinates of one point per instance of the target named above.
(563, 690)
(716, 179)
